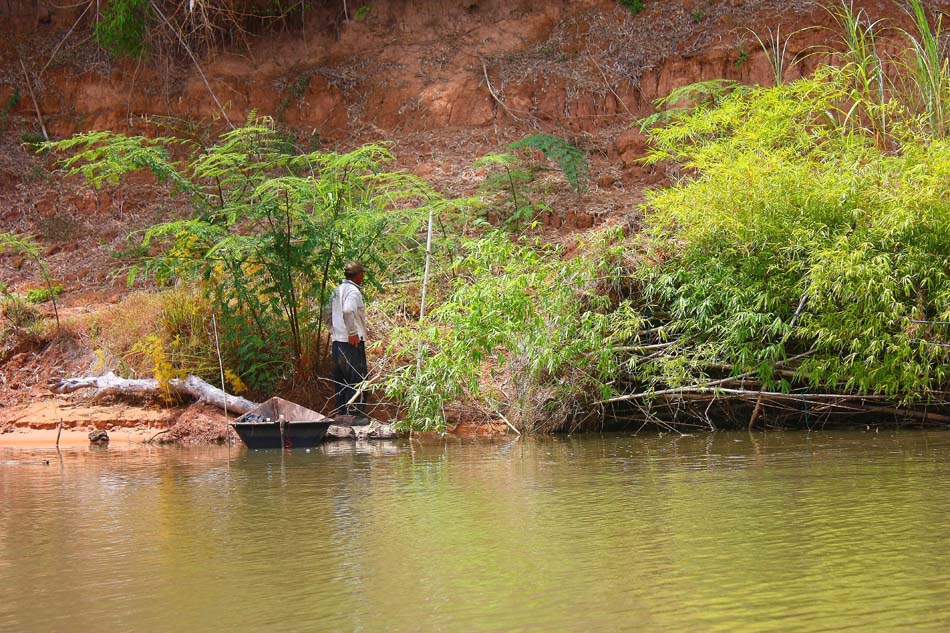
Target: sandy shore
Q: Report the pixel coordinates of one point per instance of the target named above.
(35, 424)
(46, 438)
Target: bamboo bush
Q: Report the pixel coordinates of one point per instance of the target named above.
(803, 259)
(800, 233)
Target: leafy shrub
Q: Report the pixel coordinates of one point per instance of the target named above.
(18, 312)
(27, 246)
(165, 334)
(519, 315)
(634, 6)
(42, 295)
(121, 29)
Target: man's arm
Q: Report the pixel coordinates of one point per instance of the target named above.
(351, 304)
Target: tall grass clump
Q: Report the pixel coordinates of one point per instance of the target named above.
(914, 77)
(863, 66)
(926, 80)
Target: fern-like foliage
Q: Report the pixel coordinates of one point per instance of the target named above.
(696, 95)
(490, 160)
(568, 158)
(104, 158)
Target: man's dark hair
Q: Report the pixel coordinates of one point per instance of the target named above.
(353, 269)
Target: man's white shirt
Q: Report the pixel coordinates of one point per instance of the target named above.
(348, 312)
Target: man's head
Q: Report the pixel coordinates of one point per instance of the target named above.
(354, 271)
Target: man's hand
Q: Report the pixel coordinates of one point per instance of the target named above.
(355, 340)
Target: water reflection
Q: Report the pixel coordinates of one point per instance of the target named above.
(723, 531)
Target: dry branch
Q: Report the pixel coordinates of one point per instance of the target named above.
(704, 388)
(36, 104)
(110, 384)
(495, 95)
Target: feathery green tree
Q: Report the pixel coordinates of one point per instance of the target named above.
(270, 229)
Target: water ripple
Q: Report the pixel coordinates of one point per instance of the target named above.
(723, 532)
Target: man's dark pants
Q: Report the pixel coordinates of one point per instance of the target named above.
(349, 370)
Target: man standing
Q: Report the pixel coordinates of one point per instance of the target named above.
(348, 333)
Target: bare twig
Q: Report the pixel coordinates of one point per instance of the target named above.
(151, 439)
(36, 104)
(607, 82)
(704, 388)
(495, 95)
(643, 348)
(65, 37)
(505, 420)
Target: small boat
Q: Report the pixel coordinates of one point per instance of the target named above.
(279, 423)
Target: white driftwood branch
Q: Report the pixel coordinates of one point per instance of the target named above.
(110, 384)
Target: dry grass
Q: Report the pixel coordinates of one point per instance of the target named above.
(605, 46)
(116, 330)
(124, 335)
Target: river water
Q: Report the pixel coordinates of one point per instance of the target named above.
(717, 532)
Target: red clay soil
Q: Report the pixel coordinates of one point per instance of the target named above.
(444, 82)
(198, 424)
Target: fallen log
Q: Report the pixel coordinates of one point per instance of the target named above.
(109, 384)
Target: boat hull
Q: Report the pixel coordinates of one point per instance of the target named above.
(270, 435)
(279, 423)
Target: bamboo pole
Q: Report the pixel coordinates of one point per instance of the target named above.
(425, 285)
(217, 349)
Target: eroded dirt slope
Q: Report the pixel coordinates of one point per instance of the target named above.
(444, 81)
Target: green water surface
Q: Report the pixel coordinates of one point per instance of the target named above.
(717, 532)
